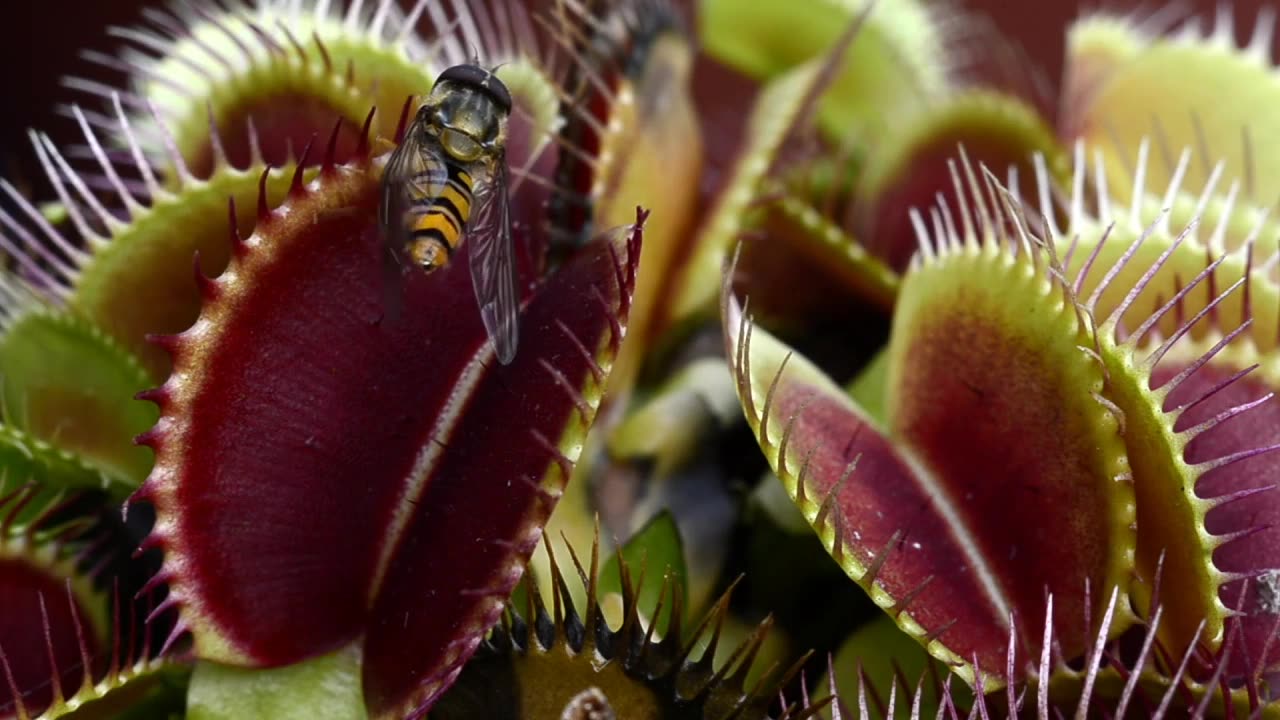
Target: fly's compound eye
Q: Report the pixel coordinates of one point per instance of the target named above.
(459, 146)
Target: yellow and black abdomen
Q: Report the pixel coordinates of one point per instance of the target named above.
(441, 215)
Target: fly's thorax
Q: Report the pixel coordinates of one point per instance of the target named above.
(466, 122)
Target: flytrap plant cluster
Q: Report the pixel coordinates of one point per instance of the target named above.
(856, 374)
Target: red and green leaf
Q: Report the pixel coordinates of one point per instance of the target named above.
(310, 448)
(991, 406)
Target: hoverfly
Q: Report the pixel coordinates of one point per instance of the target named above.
(446, 183)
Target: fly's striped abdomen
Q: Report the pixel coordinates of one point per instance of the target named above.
(442, 214)
(429, 203)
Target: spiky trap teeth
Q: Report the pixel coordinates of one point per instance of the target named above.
(71, 634)
(1127, 80)
(1110, 239)
(256, 81)
(569, 662)
(1199, 436)
(1183, 299)
(124, 261)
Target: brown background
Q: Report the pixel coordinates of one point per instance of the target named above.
(39, 41)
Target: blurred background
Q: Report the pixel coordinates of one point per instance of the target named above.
(40, 41)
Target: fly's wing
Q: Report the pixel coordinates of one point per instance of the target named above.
(400, 184)
(493, 262)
